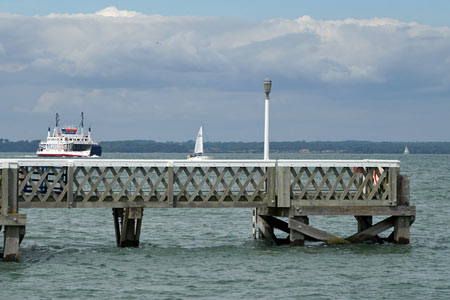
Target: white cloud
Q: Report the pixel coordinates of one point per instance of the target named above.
(212, 49)
(112, 11)
(126, 62)
(12, 68)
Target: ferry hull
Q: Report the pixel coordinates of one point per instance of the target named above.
(62, 155)
(95, 150)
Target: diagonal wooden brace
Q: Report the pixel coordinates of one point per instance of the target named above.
(315, 233)
(372, 231)
(266, 230)
(276, 223)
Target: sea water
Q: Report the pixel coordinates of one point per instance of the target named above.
(211, 254)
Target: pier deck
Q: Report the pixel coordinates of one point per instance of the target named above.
(295, 189)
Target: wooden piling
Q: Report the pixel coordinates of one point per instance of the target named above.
(255, 222)
(296, 238)
(403, 190)
(402, 224)
(364, 222)
(13, 222)
(266, 231)
(127, 226)
(117, 216)
(11, 245)
(401, 230)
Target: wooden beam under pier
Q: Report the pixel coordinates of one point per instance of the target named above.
(266, 232)
(276, 223)
(372, 231)
(315, 233)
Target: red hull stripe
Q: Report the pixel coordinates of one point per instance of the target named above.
(74, 155)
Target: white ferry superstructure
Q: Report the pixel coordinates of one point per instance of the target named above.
(69, 141)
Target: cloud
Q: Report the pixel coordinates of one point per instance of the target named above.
(151, 48)
(132, 64)
(12, 68)
(112, 11)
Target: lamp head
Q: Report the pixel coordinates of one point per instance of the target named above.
(267, 85)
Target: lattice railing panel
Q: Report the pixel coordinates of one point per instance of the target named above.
(120, 184)
(43, 184)
(226, 184)
(340, 183)
(111, 184)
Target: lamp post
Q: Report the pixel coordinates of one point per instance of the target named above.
(267, 88)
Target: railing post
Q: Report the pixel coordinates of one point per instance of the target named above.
(271, 186)
(9, 188)
(283, 187)
(70, 203)
(5, 188)
(402, 224)
(170, 179)
(402, 190)
(393, 182)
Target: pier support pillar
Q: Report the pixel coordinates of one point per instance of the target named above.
(401, 230)
(127, 226)
(13, 222)
(11, 244)
(255, 223)
(364, 222)
(266, 231)
(402, 224)
(296, 238)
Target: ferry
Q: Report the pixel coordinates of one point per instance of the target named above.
(69, 141)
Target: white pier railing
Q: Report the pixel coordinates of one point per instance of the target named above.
(210, 183)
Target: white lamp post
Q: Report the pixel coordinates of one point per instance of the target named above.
(267, 88)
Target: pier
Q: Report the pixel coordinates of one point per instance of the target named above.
(285, 194)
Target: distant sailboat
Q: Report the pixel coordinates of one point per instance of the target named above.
(406, 152)
(198, 149)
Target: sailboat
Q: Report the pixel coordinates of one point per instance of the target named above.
(406, 152)
(198, 149)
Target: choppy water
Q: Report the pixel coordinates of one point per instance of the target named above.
(210, 253)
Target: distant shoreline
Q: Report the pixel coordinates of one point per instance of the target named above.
(351, 147)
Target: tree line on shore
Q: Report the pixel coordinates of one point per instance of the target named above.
(149, 146)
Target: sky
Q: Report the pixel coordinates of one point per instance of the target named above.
(341, 70)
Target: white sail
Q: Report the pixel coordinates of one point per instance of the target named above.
(406, 152)
(199, 142)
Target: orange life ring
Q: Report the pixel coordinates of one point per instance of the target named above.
(375, 176)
